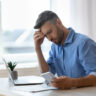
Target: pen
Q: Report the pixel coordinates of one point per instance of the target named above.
(42, 90)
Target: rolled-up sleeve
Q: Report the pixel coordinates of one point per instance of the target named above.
(87, 57)
(92, 73)
(50, 60)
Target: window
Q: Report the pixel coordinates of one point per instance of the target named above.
(17, 20)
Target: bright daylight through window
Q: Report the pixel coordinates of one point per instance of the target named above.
(17, 21)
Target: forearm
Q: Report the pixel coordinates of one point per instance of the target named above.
(89, 80)
(43, 64)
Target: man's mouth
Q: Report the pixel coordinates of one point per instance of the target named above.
(54, 41)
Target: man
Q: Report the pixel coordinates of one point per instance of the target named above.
(72, 56)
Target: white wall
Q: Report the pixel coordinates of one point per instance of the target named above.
(0, 31)
(62, 8)
(0, 17)
(93, 19)
(83, 16)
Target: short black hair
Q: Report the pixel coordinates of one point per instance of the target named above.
(44, 17)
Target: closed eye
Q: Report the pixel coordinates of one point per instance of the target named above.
(50, 31)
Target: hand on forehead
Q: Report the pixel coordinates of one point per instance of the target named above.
(38, 31)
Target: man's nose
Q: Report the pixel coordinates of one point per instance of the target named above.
(49, 38)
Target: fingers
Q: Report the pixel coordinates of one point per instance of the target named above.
(38, 34)
(53, 84)
(59, 79)
(57, 82)
(57, 85)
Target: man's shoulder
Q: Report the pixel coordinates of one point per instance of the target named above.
(81, 38)
(84, 40)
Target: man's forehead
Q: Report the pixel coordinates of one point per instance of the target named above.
(46, 27)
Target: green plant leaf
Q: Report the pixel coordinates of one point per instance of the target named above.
(12, 65)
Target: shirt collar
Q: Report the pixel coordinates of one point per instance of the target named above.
(70, 36)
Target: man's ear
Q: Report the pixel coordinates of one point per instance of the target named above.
(58, 21)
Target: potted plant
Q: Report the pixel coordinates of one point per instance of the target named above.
(11, 66)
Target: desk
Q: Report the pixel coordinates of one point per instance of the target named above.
(6, 89)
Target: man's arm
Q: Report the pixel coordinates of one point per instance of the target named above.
(38, 40)
(67, 83)
(43, 64)
(89, 80)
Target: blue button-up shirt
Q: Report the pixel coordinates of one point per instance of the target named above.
(76, 58)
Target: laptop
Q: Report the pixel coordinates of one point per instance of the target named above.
(25, 80)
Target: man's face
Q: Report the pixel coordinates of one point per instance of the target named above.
(52, 32)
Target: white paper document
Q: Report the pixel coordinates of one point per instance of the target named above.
(34, 88)
(48, 76)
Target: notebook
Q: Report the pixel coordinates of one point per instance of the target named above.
(25, 80)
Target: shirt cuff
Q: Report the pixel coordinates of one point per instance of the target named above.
(92, 73)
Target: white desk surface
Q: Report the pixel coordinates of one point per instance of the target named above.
(6, 89)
